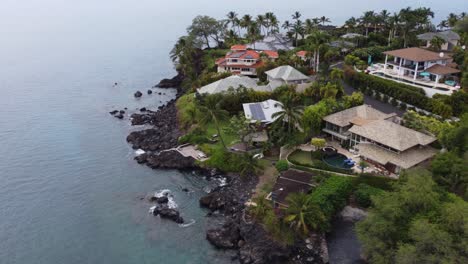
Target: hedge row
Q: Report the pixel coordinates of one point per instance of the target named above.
(405, 93)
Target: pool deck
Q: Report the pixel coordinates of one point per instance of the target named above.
(345, 152)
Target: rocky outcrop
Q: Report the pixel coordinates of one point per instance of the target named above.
(259, 247)
(169, 213)
(149, 92)
(175, 82)
(352, 214)
(137, 94)
(167, 160)
(163, 135)
(226, 237)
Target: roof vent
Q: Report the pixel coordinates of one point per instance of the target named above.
(441, 55)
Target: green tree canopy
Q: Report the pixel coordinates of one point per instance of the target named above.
(416, 223)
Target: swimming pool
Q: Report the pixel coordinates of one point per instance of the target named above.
(337, 160)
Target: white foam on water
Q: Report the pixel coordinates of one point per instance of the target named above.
(171, 203)
(192, 221)
(139, 152)
(222, 181)
(152, 208)
(161, 193)
(166, 192)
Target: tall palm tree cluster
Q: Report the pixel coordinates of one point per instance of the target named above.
(404, 23)
(253, 28)
(301, 28)
(451, 20)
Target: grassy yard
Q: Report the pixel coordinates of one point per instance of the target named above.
(185, 106)
(301, 158)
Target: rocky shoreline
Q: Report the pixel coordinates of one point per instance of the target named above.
(253, 243)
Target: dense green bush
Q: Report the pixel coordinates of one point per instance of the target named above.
(282, 165)
(379, 182)
(405, 93)
(363, 194)
(332, 195)
(376, 52)
(197, 136)
(225, 161)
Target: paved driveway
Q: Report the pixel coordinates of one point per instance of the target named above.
(383, 107)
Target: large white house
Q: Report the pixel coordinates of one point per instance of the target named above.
(234, 82)
(285, 75)
(262, 112)
(243, 61)
(419, 64)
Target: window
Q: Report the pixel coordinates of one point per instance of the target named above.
(246, 69)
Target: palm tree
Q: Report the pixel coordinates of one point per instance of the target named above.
(261, 208)
(249, 165)
(368, 19)
(302, 214)
(351, 23)
(286, 25)
(436, 43)
(274, 25)
(246, 21)
(383, 18)
(296, 15)
(272, 22)
(261, 22)
(324, 20)
(210, 111)
(253, 32)
(309, 26)
(394, 21)
(233, 20)
(442, 25)
(315, 42)
(290, 114)
(183, 53)
(297, 29)
(452, 19)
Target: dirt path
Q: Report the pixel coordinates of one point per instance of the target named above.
(266, 180)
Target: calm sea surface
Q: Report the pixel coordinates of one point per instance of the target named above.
(69, 188)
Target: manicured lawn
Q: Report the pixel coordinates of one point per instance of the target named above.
(301, 157)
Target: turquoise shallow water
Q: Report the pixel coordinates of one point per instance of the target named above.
(69, 188)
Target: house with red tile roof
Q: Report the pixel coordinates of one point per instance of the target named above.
(243, 61)
(302, 54)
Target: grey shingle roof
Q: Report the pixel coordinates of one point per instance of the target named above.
(447, 35)
(286, 73)
(348, 116)
(235, 82)
(273, 42)
(393, 135)
(405, 159)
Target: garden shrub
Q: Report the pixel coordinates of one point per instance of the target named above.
(225, 161)
(197, 136)
(332, 195)
(364, 193)
(282, 165)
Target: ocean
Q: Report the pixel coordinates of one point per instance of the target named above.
(70, 191)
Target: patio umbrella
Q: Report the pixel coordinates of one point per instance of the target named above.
(425, 74)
